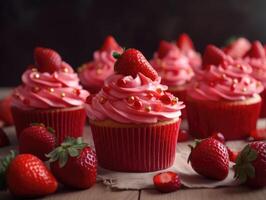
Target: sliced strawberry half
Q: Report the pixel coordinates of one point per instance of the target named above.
(131, 62)
(47, 60)
(167, 182)
(109, 44)
(184, 42)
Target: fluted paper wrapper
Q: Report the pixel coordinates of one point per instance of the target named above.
(65, 122)
(136, 148)
(235, 121)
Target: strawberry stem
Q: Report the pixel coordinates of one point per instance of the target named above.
(4, 163)
(70, 147)
(116, 55)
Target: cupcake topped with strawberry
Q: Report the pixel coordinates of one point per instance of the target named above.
(186, 46)
(134, 120)
(223, 79)
(172, 65)
(92, 74)
(50, 94)
(49, 83)
(134, 94)
(223, 97)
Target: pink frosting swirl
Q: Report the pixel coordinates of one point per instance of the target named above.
(224, 82)
(134, 100)
(93, 74)
(174, 68)
(259, 68)
(59, 89)
(194, 58)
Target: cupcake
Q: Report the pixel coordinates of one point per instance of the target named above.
(256, 58)
(92, 74)
(50, 94)
(186, 46)
(223, 98)
(174, 68)
(134, 121)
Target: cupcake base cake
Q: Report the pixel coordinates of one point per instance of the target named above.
(135, 148)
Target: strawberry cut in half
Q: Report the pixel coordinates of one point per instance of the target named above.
(167, 182)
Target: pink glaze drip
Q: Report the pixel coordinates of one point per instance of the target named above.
(224, 82)
(60, 89)
(115, 101)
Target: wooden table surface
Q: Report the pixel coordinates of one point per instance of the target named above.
(100, 191)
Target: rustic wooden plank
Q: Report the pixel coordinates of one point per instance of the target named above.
(97, 192)
(235, 193)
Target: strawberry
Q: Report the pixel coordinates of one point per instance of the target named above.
(184, 42)
(4, 141)
(74, 164)
(27, 176)
(213, 56)
(110, 44)
(37, 140)
(250, 165)
(257, 50)
(237, 48)
(164, 48)
(47, 60)
(5, 110)
(218, 136)
(259, 134)
(131, 62)
(232, 154)
(183, 136)
(210, 158)
(167, 182)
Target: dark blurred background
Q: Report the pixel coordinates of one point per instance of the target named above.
(76, 28)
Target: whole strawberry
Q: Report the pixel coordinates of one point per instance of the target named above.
(167, 182)
(27, 176)
(164, 48)
(131, 62)
(4, 141)
(214, 56)
(250, 165)
(74, 164)
(37, 140)
(184, 42)
(210, 158)
(110, 44)
(257, 50)
(47, 60)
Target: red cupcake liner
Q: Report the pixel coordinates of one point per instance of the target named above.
(65, 122)
(181, 94)
(136, 149)
(263, 104)
(233, 120)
